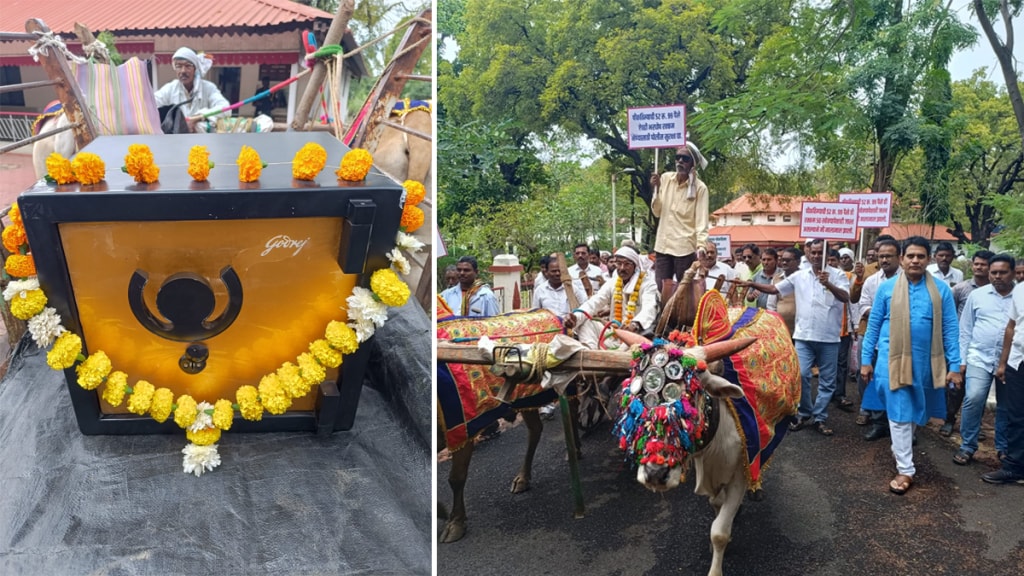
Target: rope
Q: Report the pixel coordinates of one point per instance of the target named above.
(97, 50)
(50, 40)
(540, 362)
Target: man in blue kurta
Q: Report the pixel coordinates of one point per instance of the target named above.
(470, 297)
(913, 323)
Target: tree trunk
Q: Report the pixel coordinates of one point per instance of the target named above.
(1004, 53)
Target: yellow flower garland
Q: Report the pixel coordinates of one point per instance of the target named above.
(355, 165)
(249, 165)
(27, 304)
(199, 164)
(139, 164)
(14, 236)
(412, 218)
(415, 192)
(89, 168)
(58, 168)
(309, 161)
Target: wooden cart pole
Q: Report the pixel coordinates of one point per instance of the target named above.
(334, 35)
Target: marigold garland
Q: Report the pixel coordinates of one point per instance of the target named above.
(341, 337)
(89, 168)
(199, 164)
(13, 237)
(27, 304)
(249, 403)
(389, 287)
(412, 218)
(65, 351)
(93, 370)
(249, 165)
(355, 165)
(204, 437)
(273, 396)
(309, 161)
(185, 411)
(324, 354)
(291, 380)
(15, 215)
(58, 168)
(311, 371)
(223, 414)
(415, 192)
(114, 391)
(139, 164)
(141, 398)
(20, 265)
(163, 403)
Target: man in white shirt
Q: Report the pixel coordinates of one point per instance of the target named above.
(189, 69)
(550, 293)
(590, 277)
(633, 302)
(982, 327)
(941, 268)
(820, 294)
(713, 269)
(1010, 375)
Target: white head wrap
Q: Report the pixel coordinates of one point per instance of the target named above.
(846, 252)
(698, 158)
(200, 61)
(630, 254)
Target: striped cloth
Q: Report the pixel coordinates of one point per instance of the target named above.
(120, 98)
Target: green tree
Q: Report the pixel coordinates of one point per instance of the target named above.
(579, 66)
(986, 163)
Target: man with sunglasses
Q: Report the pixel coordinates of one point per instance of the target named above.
(680, 203)
(195, 95)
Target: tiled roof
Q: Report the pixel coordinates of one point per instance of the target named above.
(157, 15)
(764, 203)
(761, 235)
(901, 231)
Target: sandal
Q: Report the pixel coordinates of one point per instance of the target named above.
(845, 404)
(862, 420)
(900, 484)
(963, 458)
(823, 428)
(798, 424)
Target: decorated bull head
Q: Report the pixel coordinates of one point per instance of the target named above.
(668, 412)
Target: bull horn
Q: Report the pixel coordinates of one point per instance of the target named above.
(631, 338)
(719, 350)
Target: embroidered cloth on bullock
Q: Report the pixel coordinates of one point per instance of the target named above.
(466, 393)
(769, 373)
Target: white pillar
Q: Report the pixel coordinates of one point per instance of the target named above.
(292, 93)
(507, 270)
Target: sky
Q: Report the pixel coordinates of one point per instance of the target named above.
(981, 55)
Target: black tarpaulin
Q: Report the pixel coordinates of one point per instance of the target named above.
(355, 502)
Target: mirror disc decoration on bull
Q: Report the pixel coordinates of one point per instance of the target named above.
(664, 409)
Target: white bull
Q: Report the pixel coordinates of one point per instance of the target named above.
(675, 410)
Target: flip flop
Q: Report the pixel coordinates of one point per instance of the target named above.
(862, 420)
(963, 458)
(799, 424)
(823, 428)
(900, 484)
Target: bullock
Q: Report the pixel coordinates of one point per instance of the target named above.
(470, 398)
(727, 419)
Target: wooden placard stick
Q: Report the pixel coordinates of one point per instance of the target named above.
(570, 294)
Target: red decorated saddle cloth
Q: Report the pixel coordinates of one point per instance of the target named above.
(467, 393)
(768, 372)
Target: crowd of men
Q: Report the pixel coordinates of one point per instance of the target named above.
(919, 339)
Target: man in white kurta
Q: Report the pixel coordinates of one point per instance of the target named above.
(633, 281)
(549, 293)
(189, 69)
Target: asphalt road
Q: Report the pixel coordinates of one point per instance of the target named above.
(827, 511)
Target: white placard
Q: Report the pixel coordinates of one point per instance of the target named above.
(829, 220)
(875, 208)
(723, 244)
(657, 126)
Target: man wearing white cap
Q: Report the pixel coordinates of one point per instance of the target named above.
(680, 202)
(848, 333)
(631, 295)
(190, 68)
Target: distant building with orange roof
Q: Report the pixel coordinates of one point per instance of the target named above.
(774, 220)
